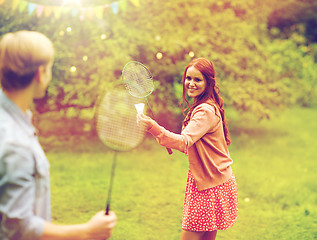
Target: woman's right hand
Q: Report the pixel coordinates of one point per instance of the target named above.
(144, 122)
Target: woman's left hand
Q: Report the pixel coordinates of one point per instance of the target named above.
(144, 122)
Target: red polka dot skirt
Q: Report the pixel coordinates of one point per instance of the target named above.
(211, 209)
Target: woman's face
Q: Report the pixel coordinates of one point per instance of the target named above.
(195, 82)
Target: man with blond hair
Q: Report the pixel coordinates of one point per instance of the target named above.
(26, 59)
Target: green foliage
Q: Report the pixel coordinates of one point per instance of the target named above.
(288, 15)
(296, 71)
(257, 72)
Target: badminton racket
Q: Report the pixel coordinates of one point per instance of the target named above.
(116, 126)
(138, 81)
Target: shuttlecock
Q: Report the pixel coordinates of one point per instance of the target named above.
(139, 107)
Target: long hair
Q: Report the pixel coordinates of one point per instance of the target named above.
(212, 91)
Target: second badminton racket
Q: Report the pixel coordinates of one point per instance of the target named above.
(138, 81)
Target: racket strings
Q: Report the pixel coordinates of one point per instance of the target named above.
(137, 80)
(116, 121)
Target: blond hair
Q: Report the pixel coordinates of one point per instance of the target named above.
(21, 54)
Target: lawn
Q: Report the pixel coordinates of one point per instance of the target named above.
(274, 164)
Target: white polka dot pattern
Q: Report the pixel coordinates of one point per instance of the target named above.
(211, 209)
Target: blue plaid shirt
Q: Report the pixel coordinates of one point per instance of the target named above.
(24, 176)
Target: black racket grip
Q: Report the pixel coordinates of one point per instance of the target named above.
(169, 151)
(107, 209)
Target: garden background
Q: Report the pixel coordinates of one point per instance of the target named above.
(265, 55)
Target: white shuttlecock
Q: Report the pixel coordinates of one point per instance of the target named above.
(139, 107)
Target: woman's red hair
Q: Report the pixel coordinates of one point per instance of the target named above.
(212, 91)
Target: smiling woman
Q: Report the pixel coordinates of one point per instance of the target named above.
(204, 139)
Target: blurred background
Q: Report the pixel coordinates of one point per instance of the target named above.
(265, 54)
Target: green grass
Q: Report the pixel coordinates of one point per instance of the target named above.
(274, 164)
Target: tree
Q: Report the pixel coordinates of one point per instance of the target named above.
(295, 16)
(256, 71)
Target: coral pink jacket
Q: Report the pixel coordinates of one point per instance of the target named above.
(204, 142)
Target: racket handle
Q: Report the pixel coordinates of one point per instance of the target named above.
(107, 209)
(169, 151)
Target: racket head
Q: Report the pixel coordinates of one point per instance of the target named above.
(115, 120)
(137, 79)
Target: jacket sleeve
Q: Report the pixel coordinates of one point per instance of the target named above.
(17, 195)
(202, 121)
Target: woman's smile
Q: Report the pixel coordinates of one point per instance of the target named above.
(195, 82)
